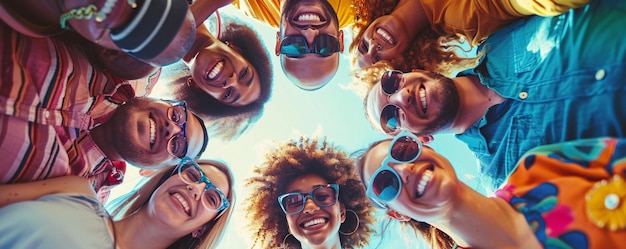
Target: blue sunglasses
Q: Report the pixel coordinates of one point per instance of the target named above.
(297, 46)
(385, 184)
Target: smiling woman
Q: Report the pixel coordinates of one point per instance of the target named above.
(308, 189)
(226, 80)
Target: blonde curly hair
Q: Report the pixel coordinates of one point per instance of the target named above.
(293, 159)
(430, 51)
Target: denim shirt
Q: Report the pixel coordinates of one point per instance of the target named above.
(563, 78)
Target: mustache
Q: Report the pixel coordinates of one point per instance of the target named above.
(309, 26)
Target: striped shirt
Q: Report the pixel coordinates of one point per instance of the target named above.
(50, 97)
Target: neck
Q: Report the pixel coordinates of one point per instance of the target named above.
(203, 39)
(334, 243)
(101, 136)
(475, 98)
(473, 216)
(139, 231)
(412, 15)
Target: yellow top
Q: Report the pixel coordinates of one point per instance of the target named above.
(268, 11)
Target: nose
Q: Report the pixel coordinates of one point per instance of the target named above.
(171, 129)
(310, 206)
(310, 35)
(404, 170)
(401, 98)
(230, 81)
(196, 189)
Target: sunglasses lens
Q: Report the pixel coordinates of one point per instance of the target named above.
(326, 45)
(386, 185)
(405, 149)
(294, 46)
(389, 118)
(324, 196)
(390, 81)
(292, 202)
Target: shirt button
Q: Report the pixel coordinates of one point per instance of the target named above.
(46, 114)
(600, 74)
(523, 95)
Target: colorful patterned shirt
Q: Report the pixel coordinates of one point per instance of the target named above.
(572, 194)
(50, 97)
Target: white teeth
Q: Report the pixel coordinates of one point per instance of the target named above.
(152, 131)
(182, 202)
(422, 93)
(385, 35)
(314, 222)
(309, 17)
(216, 70)
(424, 181)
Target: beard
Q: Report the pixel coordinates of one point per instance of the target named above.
(448, 96)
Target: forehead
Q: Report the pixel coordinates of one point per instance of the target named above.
(376, 100)
(217, 177)
(374, 159)
(195, 135)
(305, 183)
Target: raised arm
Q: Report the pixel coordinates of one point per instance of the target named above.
(11, 193)
(546, 7)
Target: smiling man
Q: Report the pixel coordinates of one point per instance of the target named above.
(59, 116)
(309, 42)
(541, 81)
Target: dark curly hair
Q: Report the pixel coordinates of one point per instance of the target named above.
(293, 159)
(432, 235)
(225, 121)
(430, 51)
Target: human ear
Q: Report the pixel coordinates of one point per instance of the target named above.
(397, 216)
(340, 38)
(277, 48)
(199, 232)
(343, 213)
(426, 139)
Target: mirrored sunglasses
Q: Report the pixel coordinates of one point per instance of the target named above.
(297, 46)
(390, 115)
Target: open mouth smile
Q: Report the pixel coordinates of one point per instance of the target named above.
(422, 95)
(314, 223)
(214, 72)
(183, 203)
(423, 181)
(387, 37)
(152, 130)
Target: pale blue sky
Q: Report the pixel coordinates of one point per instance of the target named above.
(333, 112)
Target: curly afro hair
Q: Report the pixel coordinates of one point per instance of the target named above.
(293, 159)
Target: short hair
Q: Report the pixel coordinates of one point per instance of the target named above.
(180, 45)
(433, 236)
(296, 158)
(228, 122)
(138, 198)
(430, 50)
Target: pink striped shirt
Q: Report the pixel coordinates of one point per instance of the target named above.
(50, 97)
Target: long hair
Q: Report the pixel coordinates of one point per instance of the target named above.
(430, 50)
(432, 235)
(225, 121)
(216, 228)
(293, 159)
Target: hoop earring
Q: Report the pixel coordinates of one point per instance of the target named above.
(283, 245)
(350, 231)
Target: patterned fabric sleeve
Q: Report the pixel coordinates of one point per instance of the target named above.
(572, 194)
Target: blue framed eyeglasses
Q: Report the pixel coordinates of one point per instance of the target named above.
(385, 184)
(322, 196)
(297, 46)
(213, 198)
(177, 145)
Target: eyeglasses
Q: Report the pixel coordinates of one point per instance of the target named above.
(297, 46)
(385, 184)
(322, 196)
(177, 113)
(390, 115)
(213, 198)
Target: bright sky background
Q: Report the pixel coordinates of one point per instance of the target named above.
(333, 111)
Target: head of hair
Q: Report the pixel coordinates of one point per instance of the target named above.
(430, 50)
(297, 158)
(226, 121)
(215, 228)
(433, 236)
